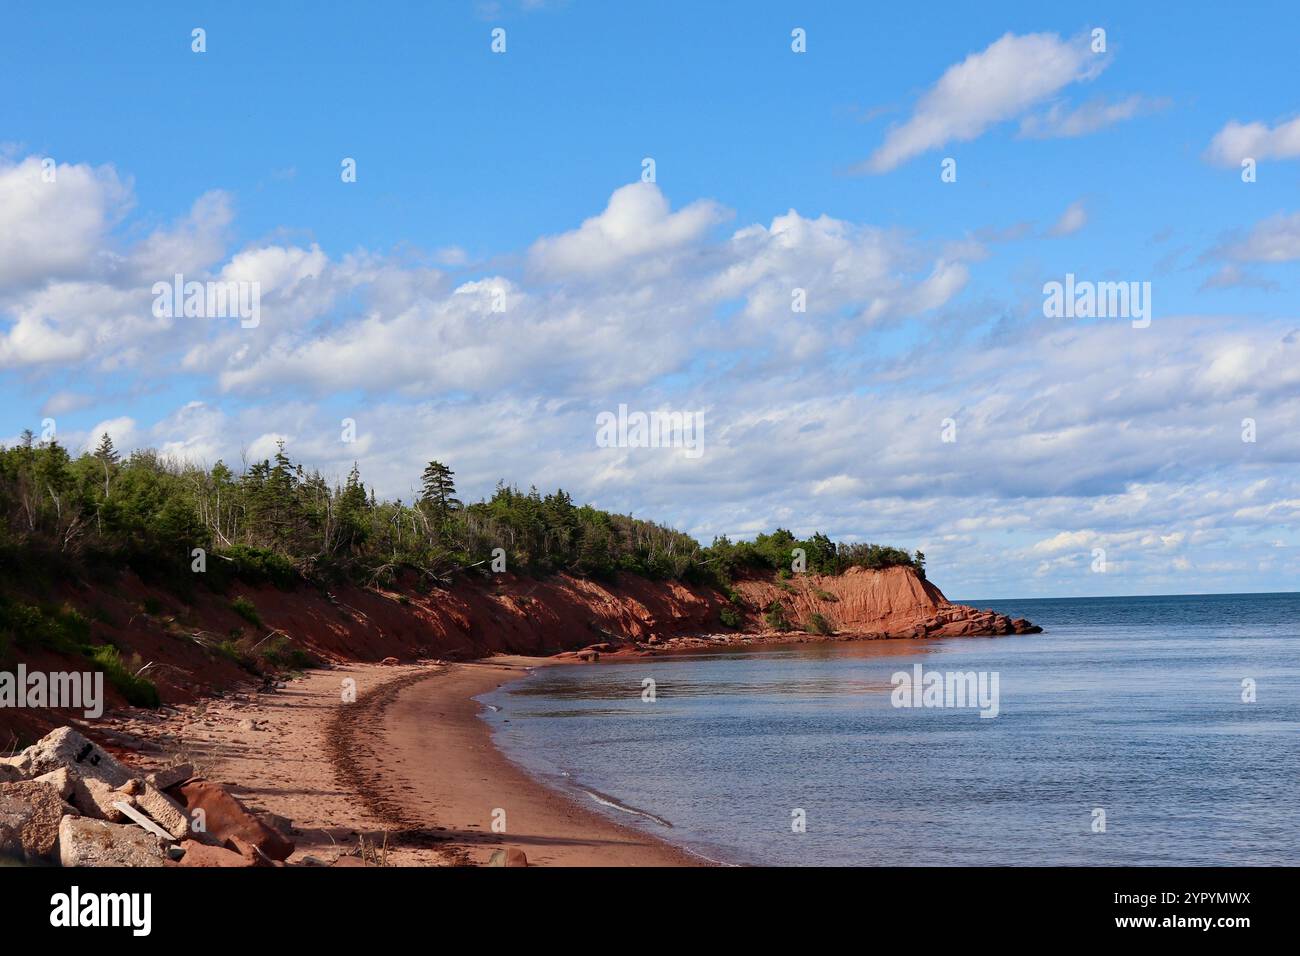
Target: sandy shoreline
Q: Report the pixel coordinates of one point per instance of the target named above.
(444, 767)
(410, 766)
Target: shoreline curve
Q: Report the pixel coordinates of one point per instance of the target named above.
(420, 757)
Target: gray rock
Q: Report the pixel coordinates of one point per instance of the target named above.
(171, 776)
(62, 780)
(86, 842)
(30, 815)
(164, 811)
(66, 747)
(95, 798)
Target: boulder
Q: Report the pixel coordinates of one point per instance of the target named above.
(225, 818)
(169, 777)
(61, 780)
(9, 773)
(30, 813)
(87, 842)
(164, 811)
(66, 747)
(95, 798)
(200, 854)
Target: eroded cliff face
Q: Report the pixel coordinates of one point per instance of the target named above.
(178, 641)
(895, 602)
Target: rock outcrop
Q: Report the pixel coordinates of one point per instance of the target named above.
(894, 602)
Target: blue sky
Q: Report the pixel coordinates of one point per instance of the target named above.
(477, 172)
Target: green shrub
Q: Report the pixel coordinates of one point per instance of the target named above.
(245, 609)
(138, 691)
(819, 625)
(279, 653)
(258, 566)
(63, 630)
(776, 617)
(730, 618)
(825, 595)
(231, 651)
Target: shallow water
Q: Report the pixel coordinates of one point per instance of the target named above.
(1128, 705)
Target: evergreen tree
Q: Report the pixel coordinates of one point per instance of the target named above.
(439, 491)
(105, 452)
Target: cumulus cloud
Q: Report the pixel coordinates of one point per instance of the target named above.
(642, 301)
(999, 83)
(1239, 141)
(636, 224)
(54, 221)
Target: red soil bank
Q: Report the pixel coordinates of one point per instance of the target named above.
(477, 617)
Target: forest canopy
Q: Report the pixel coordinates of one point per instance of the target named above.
(277, 521)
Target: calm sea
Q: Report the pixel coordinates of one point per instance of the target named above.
(1131, 707)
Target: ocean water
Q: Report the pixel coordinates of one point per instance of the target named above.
(1131, 706)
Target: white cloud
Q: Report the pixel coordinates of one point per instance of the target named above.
(1065, 541)
(1062, 121)
(999, 83)
(637, 223)
(190, 246)
(1072, 220)
(1239, 141)
(1276, 239)
(50, 229)
(641, 306)
(1232, 276)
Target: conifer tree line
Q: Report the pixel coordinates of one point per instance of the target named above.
(278, 520)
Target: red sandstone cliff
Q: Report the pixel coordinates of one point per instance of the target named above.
(895, 602)
(175, 639)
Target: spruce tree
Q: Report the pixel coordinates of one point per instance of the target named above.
(106, 452)
(439, 489)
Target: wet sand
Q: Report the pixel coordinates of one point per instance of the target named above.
(440, 765)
